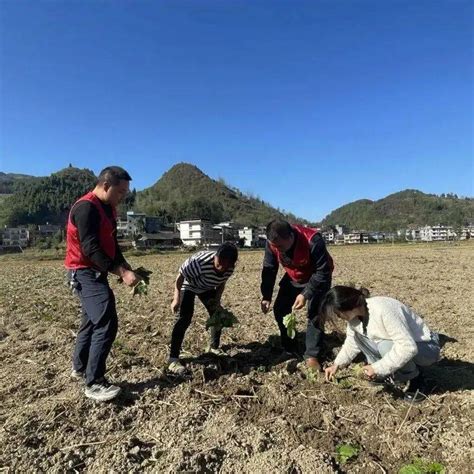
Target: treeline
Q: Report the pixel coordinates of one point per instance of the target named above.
(41, 200)
(402, 210)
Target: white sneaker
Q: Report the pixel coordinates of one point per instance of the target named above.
(216, 351)
(102, 392)
(176, 367)
(77, 375)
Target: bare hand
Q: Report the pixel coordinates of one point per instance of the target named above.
(299, 302)
(369, 372)
(330, 372)
(129, 278)
(265, 305)
(175, 305)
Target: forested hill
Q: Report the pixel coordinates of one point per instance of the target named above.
(185, 192)
(8, 181)
(409, 208)
(40, 200)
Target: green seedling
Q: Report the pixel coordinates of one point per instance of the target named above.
(358, 371)
(343, 382)
(289, 321)
(346, 452)
(141, 288)
(221, 318)
(311, 374)
(420, 466)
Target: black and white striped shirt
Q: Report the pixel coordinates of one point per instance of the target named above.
(199, 273)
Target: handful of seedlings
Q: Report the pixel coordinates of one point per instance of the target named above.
(141, 288)
(221, 318)
(289, 321)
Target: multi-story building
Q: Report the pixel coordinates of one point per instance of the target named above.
(413, 235)
(250, 236)
(467, 232)
(48, 230)
(356, 237)
(16, 237)
(437, 233)
(199, 232)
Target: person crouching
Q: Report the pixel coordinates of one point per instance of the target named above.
(395, 340)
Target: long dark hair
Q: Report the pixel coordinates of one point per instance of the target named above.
(340, 299)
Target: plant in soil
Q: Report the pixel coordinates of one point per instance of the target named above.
(421, 466)
(346, 452)
(221, 318)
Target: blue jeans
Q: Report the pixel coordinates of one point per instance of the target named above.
(99, 324)
(283, 305)
(428, 354)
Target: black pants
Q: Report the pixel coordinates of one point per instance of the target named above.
(98, 326)
(186, 311)
(284, 302)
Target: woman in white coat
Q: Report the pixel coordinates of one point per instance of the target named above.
(393, 338)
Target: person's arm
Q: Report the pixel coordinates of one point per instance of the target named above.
(404, 346)
(269, 274)
(177, 293)
(349, 349)
(219, 291)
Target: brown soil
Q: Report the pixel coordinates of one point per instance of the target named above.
(242, 413)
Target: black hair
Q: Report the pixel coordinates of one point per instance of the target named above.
(278, 229)
(227, 252)
(342, 298)
(112, 175)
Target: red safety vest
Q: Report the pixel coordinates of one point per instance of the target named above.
(74, 257)
(300, 268)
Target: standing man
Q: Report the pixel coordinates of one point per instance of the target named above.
(303, 254)
(92, 252)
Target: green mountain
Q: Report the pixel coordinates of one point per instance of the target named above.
(40, 200)
(405, 209)
(185, 192)
(8, 181)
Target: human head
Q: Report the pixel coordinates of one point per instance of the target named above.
(345, 302)
(280, 234)
(226, 257)
(113, 184)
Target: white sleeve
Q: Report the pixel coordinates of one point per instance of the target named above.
(404, 346)
(348, 350)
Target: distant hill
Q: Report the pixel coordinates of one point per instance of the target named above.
(8, 181)
(402, 210)
(40, 200)
(185, 192)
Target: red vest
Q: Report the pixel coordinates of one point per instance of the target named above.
(74, 257)
(299, 268)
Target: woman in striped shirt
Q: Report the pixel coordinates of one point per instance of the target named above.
(203, 274)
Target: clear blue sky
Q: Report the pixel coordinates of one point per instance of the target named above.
(308, 104)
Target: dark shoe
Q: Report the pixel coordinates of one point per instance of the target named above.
(416, 390)
(378, 381)
(291, 347)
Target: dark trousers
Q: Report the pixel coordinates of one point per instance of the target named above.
(98, 326)
(186, 311)
(283, 303)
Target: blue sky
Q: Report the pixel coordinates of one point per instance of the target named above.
(307, 104)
